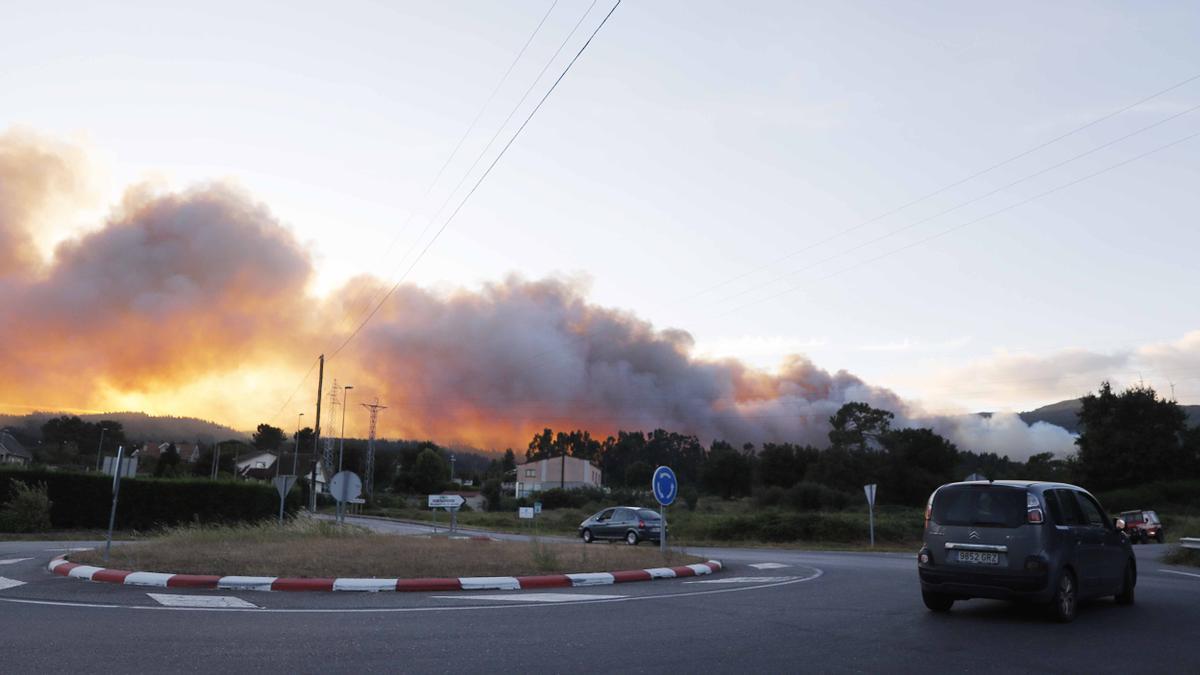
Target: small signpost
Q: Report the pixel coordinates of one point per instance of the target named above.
(450, 503)
(345, 486)
(665, 488)
(537, 507)
(116, 490)
(525, 512)
(870, 490)
(283, 485)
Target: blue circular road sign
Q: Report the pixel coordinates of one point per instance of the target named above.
(664, 485)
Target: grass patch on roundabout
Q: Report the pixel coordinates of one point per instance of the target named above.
(308, 548)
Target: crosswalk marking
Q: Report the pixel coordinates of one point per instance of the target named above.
(741, 580)
(220, 601)
(6, 583)
(13, 561)
(534, 597)
(769, 566)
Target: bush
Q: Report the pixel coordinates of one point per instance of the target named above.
(788, 526)
(1182, 496)
(772, 496)
(814, 496)
(690, 496)
(83, 500)
(28, 510)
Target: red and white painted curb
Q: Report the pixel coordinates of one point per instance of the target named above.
(237, 583)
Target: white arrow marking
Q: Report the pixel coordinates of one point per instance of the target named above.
(769, 566)
(533, 597)
(13, 561)
(221, 601)
(5, 583)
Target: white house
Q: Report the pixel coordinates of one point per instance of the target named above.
(565, 472)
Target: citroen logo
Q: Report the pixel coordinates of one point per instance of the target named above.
(973, 534)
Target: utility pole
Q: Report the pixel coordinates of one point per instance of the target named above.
(312, 491)
(374, 408)
(342, 440)
(216, 448)
(100, 448)
(562, 471)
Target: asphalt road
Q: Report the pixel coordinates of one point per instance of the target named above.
(824, 612)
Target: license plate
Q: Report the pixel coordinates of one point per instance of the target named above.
(979, 557)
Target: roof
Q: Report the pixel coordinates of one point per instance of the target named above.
(11, 446)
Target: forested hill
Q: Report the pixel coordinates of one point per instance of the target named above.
(1066, 414)
(137, 426)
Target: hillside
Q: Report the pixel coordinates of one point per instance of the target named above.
(1065, 414)
(138, 426)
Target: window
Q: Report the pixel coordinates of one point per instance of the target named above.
(1064, 508)
(605, 515)
(530, 473)
(1091, 511)
(623, 515)
(980, 506)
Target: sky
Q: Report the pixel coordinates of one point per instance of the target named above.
(757, 176)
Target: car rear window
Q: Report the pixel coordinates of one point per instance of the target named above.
(1132, 516)
(979, 506)
(647, 514)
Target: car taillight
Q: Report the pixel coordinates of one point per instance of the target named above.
(1033, 507)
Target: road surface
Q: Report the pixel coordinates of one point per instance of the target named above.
(769, 611)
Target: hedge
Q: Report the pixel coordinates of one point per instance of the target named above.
(83, 500)
(787, 526)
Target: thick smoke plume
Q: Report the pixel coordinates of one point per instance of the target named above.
(207, 286)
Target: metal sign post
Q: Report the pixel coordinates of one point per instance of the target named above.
(344, 486)
(665, 487)
(450, 503)
(283, 485)
(870, 490)
(112, 515)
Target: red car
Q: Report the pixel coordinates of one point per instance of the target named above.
(1142, 526)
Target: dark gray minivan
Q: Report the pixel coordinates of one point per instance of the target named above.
(1040, 542)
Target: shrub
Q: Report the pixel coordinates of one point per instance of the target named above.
(28, 510)
(690, 496)
(814, 496)
(83, 500)
(772, 496)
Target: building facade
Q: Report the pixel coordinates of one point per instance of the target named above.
(565, 472)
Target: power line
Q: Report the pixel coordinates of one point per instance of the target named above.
(488, 146)
(457, 146)
(950, 186)
(478, 182)
(892, 233)
(971, 222)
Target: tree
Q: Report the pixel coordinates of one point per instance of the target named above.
(168, 463)
(727, 472)
(858, 427)
(491, 494)
(268, 438)
(638, 475)
(430, 472)
(1130, 438)
(509, 463)
(916, 462)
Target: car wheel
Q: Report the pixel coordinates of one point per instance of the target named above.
(1125, 597)
(631, 538)
(1066, 598)
(937, 602)
(586, 536)
(1159, 537)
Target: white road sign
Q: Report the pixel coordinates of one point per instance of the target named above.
(525, 512)
(345, 485)
(445, 501)
(870, 490)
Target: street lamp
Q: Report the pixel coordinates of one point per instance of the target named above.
(100, 448)
(296, 450)
(452, 467)
(342, 440)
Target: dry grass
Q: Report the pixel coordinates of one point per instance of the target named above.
(306, 548)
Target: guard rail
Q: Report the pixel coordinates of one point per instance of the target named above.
(1190, 542)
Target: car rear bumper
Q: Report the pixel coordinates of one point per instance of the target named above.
(1032, 587)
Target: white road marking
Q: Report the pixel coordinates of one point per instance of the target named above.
(741, 580)
(75, 548)
(769, 566)
(1186, 574)
(13, 561)
(6, 583)
(534, 597)
(206, 601)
